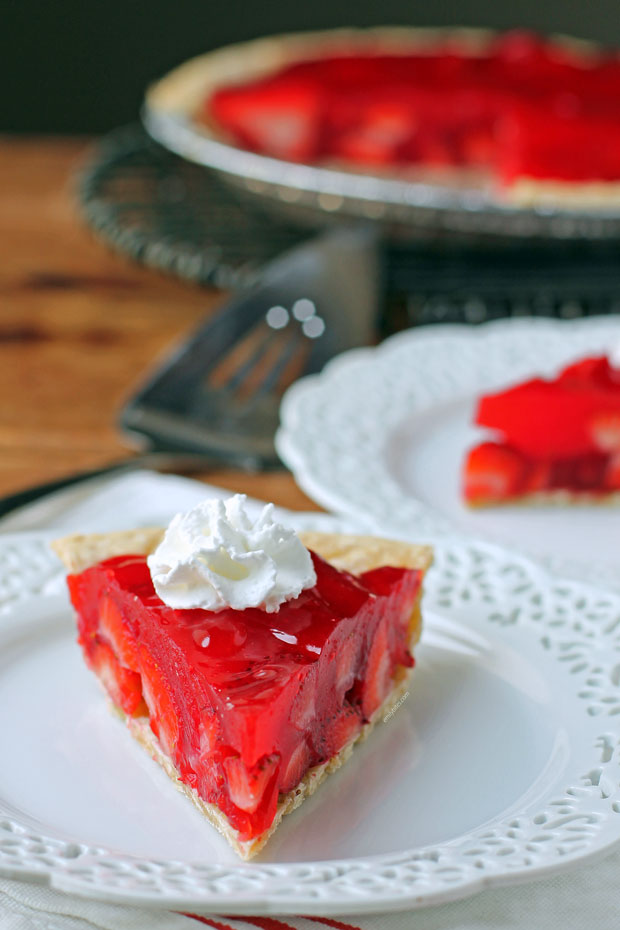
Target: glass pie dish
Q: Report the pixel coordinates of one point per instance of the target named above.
(410, 200)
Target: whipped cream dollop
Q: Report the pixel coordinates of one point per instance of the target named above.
(215, 556)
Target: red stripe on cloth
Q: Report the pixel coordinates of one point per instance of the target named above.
(335, 924)
(216, 924)
(265, 923)
(269, 923)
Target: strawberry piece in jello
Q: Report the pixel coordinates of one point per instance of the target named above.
(493, 471)
(550, 435)
(245, 702)
(282, 118)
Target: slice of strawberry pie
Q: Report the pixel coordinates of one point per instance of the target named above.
(556, 441)
(247, 664)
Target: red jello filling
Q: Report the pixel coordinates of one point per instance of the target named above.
(522, 106)
(244, 702)
(562, 434)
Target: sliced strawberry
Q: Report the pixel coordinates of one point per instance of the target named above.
(123, 685)
(162, 714)
(493, 473)
(381, 581)
(246, 787)
(378, 139)
(303, 711)
(296, 767)
(377, 678)
(346, 664)
(207, 733)
(115, 631)
(279, 118)
(344, 728)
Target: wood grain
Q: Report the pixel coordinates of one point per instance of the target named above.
(79, 326)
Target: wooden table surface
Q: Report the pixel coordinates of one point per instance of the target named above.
(79, 325)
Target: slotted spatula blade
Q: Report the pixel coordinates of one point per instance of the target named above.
(220, 392)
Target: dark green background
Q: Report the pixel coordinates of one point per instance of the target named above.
(81, 65)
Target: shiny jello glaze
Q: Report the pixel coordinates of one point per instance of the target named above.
(245, 701)
(297, 632)
(522, 105)
(560, 418)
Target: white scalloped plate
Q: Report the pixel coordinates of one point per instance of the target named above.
(501, 765)
(380, 435)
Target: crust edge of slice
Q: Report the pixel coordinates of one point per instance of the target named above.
(353, 553)
(557, 498)
(79, 551)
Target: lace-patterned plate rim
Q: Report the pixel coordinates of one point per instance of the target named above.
(484, 605)
(340, 430)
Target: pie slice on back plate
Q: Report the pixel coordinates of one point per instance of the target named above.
(553, 441)
(249, 711)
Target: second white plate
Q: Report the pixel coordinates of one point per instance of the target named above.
(380, 435)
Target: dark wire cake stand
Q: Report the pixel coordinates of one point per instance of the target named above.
(176, 216)
(172, 215)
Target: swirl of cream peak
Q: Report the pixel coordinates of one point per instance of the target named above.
(215, 557)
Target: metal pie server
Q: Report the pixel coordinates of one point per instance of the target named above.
(220, 392)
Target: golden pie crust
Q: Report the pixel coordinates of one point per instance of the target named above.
(352, 553)
(559, 498)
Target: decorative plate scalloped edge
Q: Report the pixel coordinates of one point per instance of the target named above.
(571, 630)
(335, 447)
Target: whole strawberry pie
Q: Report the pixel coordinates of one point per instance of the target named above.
(537, 117)
(554, 440)
(247, 660)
